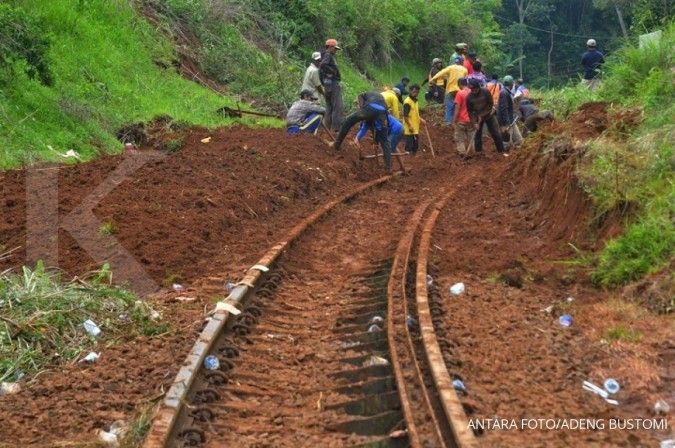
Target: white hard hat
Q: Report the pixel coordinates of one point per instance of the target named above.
(316, 56)
(591, 43)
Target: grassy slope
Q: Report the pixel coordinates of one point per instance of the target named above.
(102, 55)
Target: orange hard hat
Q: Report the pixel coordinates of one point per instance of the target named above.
(332, 43)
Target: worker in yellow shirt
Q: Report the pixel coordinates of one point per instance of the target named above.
(451, 74)
(392, 98)
(412, 120)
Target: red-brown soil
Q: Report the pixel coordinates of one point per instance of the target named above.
(203, 214)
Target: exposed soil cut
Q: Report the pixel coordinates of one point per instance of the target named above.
(203, 214)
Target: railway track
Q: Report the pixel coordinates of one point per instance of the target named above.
(324, 345)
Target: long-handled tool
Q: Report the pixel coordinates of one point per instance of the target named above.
(431, 146)
(238, 113)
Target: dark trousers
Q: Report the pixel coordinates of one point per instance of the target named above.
(493, 128)
(367, 114)
(334, 106)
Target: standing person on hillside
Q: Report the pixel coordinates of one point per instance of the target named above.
(460, 53)
(451, 74)
(412, 120)
(591, 61)
(392, 98)
(478, 73)
(312, 80)
(482, 112)
(519, 90)
(330, 78)
(437, 88)
(403, 86)
(462, 121)
(469, 60)
(505, 114)
(394, 134)
(305, 114)
(370, 107)
(494, 87)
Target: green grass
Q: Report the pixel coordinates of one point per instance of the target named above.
(102, 57)
(108, 228)
(42, 318)
(621, 333)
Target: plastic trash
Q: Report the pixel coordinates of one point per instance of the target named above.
(91, 358)
(129, 148)
(374, 329)
(154, 315)
(590, 387)
(459, 385)
(457, 289)
(9, 388)
(569, 299)
(375, 361)
(211, 362)
(177, 287)
(108, 438)
(91, 328)
(377, 320)
(661, 407)
(206, 140)
(612, 386)
(411, 322)
(229, 286)
(124, 317)
(565, 320)
(548, 309)
(668, 443)
(430, 281)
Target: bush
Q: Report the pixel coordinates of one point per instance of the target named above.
(21, 40)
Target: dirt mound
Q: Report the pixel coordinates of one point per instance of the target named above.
(173, 213)
(547, 167)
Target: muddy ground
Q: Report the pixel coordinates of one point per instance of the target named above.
(203, 214)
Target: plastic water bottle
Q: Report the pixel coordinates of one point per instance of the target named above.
(211, 362)
(565, 320)
(410, 321)
(91, 328)
(374, 329)
(376, 320)
(457, 289)
(459, 385)
(612, 385)
(430, 281)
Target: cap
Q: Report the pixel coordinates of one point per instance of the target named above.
(508, 80)
(474, 83)
(591, 43)
(405, 78)
(436, 61)
(462, 45)
(332, 43)
(307, 92)
(316, 56)
(396, 90)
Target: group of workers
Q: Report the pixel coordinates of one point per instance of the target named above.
(472, 102)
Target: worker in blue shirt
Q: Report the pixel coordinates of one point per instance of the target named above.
(394, 130)
(591, 61)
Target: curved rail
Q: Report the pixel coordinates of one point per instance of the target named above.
(166, 417)
(452, 407)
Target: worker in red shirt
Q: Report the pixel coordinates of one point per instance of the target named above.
(463, 135)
